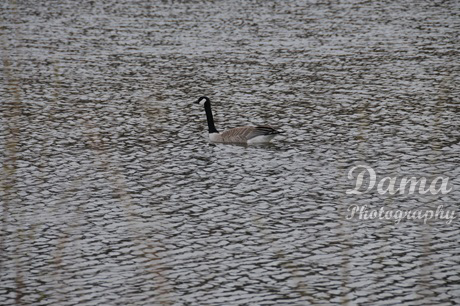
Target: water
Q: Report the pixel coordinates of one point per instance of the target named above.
(111, 193)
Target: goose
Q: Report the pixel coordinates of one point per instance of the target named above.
(244, 134)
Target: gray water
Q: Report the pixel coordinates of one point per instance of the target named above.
(111, 193)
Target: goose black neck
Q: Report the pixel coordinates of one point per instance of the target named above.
(211, 126)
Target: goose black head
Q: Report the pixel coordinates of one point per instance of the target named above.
(202, 100)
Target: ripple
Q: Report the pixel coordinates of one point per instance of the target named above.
(111, 193)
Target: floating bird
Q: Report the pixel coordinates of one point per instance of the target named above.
(244, 134)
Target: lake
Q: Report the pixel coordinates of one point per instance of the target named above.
(112, 194)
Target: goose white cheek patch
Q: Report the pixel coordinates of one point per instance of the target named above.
(202, 102)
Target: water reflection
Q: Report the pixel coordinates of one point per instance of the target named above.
(111, 192)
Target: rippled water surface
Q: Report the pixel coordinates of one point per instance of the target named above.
(111, 193)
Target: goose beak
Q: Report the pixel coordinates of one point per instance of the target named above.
(197, 101)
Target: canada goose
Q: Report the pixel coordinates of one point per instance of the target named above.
(244, 134)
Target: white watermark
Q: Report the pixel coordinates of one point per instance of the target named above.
(389, 184)
(362, 212)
